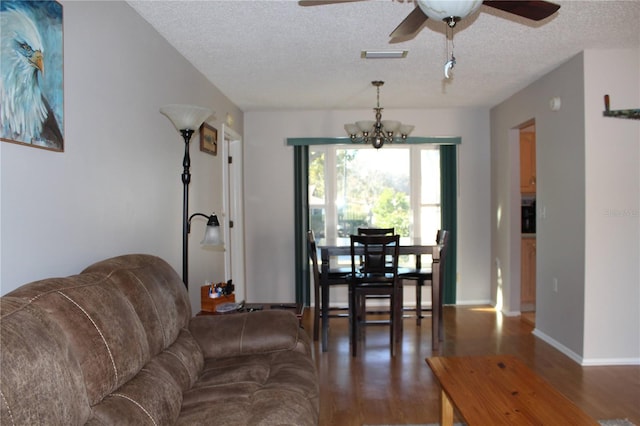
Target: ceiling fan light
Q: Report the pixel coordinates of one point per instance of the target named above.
(443, 9)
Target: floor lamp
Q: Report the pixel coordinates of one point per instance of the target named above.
(187, 119)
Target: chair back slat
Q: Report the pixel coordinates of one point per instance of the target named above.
(380, 254)
(376, 231)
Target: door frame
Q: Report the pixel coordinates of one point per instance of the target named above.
(233, 207)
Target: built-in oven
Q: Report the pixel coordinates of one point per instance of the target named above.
(528, 217)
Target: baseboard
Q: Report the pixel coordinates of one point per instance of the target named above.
(610, 361)
(472, 302)
(586, 362)
(559, 346)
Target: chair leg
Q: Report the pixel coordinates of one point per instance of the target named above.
(353, 321)
(419, 285)
(436, 302)
(400, 311)
(396, 320)
(316, 320)
(393, 325)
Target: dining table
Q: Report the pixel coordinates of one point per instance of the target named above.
(341, 247)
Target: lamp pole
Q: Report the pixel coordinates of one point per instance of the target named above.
(186, 179)
(185, 118)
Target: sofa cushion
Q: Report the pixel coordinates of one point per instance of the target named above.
(274, 388)
(248, 333)
(154, 395)
(109, 323)
(154, 290)
(35, 361)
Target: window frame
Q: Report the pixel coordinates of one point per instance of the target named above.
(448, 191)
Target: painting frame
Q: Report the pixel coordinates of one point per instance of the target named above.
(208, 139)
(33, 118)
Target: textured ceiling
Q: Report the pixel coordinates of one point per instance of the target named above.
(277, 55)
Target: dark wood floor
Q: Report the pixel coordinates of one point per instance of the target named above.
(376, 389)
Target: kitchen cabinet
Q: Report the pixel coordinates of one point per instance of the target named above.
(528, 275)
(528, 162)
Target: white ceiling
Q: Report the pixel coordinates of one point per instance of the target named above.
(278, 55)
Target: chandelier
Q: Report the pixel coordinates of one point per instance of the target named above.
(378, 132)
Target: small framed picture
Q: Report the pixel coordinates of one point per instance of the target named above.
(208, 139)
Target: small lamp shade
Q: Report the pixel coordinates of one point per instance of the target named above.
(186, 116)
(212, 233)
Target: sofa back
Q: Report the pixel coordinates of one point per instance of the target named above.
(89, 348)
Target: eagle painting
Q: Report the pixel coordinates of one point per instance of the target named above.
(31, 94)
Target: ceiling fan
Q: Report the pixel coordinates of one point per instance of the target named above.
(452, 11)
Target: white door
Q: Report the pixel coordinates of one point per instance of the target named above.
(234, 215)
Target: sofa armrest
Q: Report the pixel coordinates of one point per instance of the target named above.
(248, 333)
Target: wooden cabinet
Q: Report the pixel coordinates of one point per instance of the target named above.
(527, 162)
(528, 275)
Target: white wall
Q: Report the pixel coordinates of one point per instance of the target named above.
(269, 192)
(575, 152)
(116, 189)
(612, 279)
(560, 192)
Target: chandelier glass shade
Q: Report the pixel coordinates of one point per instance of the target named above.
(378, 132)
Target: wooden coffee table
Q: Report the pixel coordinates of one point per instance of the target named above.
(500, 390)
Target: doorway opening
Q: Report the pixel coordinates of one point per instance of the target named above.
(528, 182)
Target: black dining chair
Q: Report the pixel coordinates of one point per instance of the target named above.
(422, 274)
(375, 231)
(336, 277)
(377, 275)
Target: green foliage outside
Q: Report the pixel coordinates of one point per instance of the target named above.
(367, 197)
(392, 211)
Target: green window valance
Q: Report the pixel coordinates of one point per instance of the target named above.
(436, 140)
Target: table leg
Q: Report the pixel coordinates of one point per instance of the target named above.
(436, 304)
(324, 284)
(446, 410)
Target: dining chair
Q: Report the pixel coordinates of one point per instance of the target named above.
(375, 231)
(423, 274)
(377, 275)
(336, 277)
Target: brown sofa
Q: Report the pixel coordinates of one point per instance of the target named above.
(117, 345)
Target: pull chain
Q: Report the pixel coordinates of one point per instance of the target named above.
(448, 66)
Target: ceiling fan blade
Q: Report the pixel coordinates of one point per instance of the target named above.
(323, 2)
(535, 10)
(409, 26)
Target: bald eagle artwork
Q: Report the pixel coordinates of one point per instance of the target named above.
(31, 73)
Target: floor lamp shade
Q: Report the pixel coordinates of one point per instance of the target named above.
(186, 116)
